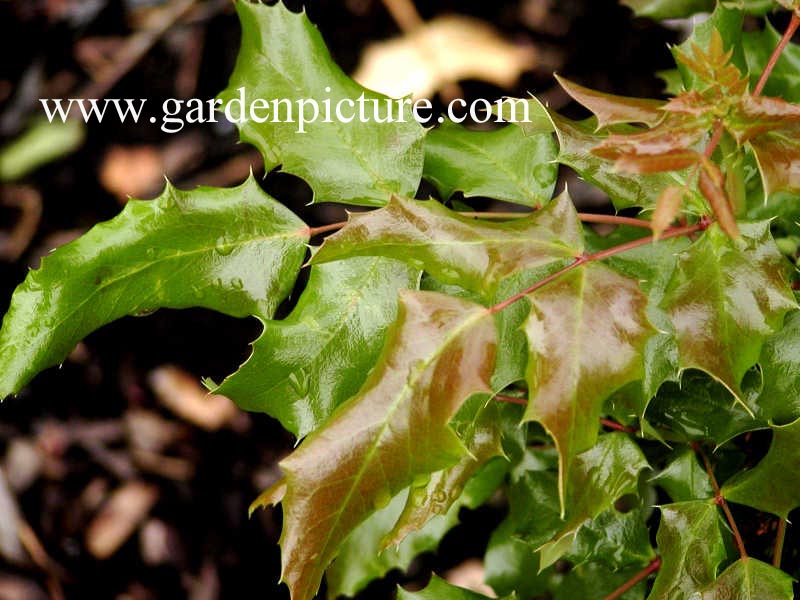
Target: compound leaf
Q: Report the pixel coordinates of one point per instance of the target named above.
(772, 485)
(439, 351)
(283, 56)
(504, 164)
(235, 250)
(305, 365)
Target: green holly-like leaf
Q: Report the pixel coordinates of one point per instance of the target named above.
(780, 367)
(772, 485)
(668, 9)
(235, 250)
(587, 331)
(691, 546)
(618, 540)
(283, 57)
(725, 298)
(504, 164)
(439, 351)
(749, 579)
(306, 365)
(439, 589)
(512, 566)
(597, 478)
(456, 249)
(699, 408)
(684, 478)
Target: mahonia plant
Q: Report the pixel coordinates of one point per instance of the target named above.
(608, 384)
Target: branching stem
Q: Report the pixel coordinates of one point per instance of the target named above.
(720, 500)
(654, 566)
(776, 54)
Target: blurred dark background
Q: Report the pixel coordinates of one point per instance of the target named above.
(100, 428)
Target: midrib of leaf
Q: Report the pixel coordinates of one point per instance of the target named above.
(500, 165)
(394, 407)
(180, 254)
(355, 149)
(576, 370)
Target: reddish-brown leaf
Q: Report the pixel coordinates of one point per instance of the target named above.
(610, 109)
(675, 160)
(667, 209)
(711, 184)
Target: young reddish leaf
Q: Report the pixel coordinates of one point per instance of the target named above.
(778, 156)
(456, 249)
(586, 332)
(577, 140)
(711, 183)
(749, 579)
(772, 485)
(690, 103)
(439, 351)
(610, 109)
(667, 208)
(725, 298)
(674, 160)
(236, 250)
(691, 546)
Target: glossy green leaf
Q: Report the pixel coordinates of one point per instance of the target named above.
(684, 478)
(235, 250)
(439, 352)
(618, 540)
(772, 485)
(512, 566)
(283, 57)
(725, 298)
(700, 408)
(577, 139)
(439, 589)
(750, 579)
(691, 546)
(307, 364)
(668, 9)
(597, 478)
(586, 331)
(780, 367)
(455, 249)
(504, 164)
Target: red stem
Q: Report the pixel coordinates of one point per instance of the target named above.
(586, 258)
(715, 138)
(618, 426)
(776, 54)
(654, 566)
(720, 500)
